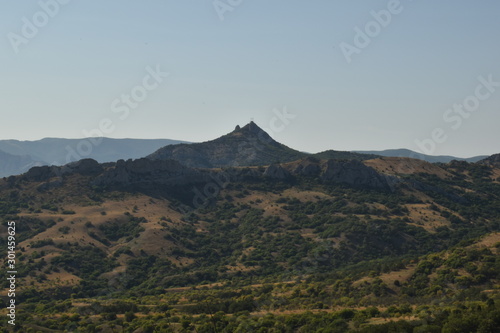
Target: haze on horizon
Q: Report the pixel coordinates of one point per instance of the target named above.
(368, 75)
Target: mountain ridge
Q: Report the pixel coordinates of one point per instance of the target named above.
(14, 164)
(404, 152)
(250, 144)
(60, 151)
(244, 146)
(260, 149)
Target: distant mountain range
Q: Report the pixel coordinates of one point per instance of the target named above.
(17, 156)
(244, 146)
(424, 157)
(15, 164)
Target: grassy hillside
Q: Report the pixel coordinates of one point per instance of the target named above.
(262, 254)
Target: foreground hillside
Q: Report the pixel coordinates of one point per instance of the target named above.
(300, 246)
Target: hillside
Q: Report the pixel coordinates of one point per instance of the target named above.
(493, 160)
(323, 236)
(245, 146)
(358, 245)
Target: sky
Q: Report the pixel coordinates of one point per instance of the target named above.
(317, 75)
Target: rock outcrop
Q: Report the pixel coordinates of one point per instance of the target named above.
(145, 172)
(308, 166)
(85, 167)
(41, 173)
(350, 172)
(276, 171)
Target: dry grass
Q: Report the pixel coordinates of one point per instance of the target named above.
(488, 241)
(389, 278)
(401, 275)
(151, 241)
(405, 166)
(423, 216)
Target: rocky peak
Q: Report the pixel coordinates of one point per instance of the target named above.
(252, 130)
(249, 145)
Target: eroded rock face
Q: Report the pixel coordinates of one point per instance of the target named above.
(308, 167)
(276, 171)
(86, 167)
(41, 173)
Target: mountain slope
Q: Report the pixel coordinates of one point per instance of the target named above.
(493, 160)
(191, 226)
(245, 146)
(164, 245)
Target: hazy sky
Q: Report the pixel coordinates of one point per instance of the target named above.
(344, 75)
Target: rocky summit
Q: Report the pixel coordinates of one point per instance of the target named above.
(245, 146)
